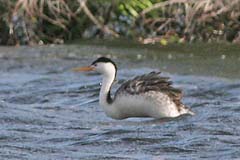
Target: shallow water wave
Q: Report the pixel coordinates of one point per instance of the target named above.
(49, 112)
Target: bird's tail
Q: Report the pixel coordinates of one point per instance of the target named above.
(186, 110)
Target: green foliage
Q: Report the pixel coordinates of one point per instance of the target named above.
(134, 7)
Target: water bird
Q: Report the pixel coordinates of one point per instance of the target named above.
(148, 95)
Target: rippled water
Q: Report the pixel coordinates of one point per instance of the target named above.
(48, 112)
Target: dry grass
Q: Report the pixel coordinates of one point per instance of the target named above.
(200, 19)
(56, 12)
(59, 13)
(188, 20)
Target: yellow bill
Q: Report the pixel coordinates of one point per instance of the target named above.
(82, 69)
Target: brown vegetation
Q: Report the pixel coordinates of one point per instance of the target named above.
(207, 20)
(150, 21)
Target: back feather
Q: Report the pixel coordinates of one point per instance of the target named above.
(151, 82)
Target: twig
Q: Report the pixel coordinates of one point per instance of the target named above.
(104, 28)
(163, 4)
(165, 24)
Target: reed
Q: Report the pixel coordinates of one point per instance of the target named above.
(206, 20)
(151, 21)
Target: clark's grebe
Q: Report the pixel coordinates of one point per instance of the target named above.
(148, 95)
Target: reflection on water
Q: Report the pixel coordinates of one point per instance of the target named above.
(48, 112)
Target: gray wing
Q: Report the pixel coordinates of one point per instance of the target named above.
(151, 82)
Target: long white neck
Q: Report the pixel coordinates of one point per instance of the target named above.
(105, 99)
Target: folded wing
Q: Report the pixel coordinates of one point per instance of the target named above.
(151, 82)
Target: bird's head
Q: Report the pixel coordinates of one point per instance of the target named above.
(102, 65)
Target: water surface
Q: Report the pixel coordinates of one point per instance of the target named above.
(49, 112)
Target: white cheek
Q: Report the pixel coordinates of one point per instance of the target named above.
(106, 68)
(100, 69)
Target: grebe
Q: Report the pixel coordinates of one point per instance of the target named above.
(148, 95)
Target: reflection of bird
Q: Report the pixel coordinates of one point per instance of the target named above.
(149, 95)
